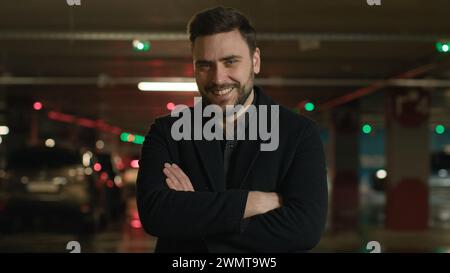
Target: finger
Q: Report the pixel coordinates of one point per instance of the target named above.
(186, 179)
(170, 175)
(171, 185)
(178, 174)
(176, 177)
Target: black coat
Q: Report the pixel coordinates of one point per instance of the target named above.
(210, 219)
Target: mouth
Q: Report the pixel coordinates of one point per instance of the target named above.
(223, 92)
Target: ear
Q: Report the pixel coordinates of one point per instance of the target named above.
(256, 61)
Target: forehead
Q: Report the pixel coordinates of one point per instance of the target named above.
(216, 46)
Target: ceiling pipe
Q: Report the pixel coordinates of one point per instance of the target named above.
(181, 36)
(380, 84)
(372, 84)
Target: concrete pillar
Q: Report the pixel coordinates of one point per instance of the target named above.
(344, 166)
(407, 158)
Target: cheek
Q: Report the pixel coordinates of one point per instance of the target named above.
(201, 78)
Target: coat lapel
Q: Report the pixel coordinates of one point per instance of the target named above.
(212, 160)
(246, 155)
(210, 154)
(248, 151)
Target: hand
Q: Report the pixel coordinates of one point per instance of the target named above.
(176, 178)
(259, 202)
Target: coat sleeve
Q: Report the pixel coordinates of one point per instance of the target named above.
(299, 223)
(175, 214)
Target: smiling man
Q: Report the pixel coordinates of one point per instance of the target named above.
(228, 195)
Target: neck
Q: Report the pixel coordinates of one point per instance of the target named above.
(232, 120)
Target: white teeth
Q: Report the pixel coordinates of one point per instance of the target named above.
(223, 92)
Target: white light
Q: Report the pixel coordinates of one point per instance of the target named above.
(381, 174)
(445, 48)
(168, 86)
(59, 180)
(50, 143)
(1, 139)
(72, 172)
(442, 173)
(4, 130)
(99, 144)
(118, 181)
(88, 171)
(24, 179)
(87, 159)
(136, 43)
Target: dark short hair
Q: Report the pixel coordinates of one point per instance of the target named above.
(221, 19)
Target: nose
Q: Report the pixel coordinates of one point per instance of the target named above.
(219, 75)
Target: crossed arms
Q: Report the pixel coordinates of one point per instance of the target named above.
(258, 202)
(258, 221)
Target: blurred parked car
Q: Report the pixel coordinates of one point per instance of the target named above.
(54, 183)
(115, 197)
(439, 187)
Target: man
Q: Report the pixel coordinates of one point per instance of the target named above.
(229, 195)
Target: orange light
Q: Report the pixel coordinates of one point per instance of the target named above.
(131, 138)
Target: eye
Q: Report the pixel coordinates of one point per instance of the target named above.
(203, 66)
(230, 61)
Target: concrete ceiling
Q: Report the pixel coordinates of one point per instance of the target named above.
(316, 40)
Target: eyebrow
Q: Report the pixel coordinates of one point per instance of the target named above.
(221, 59)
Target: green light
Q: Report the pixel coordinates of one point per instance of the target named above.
(124, 137)
(138, 139)
(366, 129)
(443, 47)
(439, 129)
(132, 138)
(309, 106)
(141, 45)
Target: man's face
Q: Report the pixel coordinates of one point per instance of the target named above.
(224, 69)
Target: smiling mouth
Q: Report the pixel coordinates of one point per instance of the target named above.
(223, 92)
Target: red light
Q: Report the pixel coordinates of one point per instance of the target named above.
(135, 223)
(37, 106)
(170, 106)
(97, 167)
(86, 122)
(135, 214)
(120, 165)
(104, 176)
(134, 164)
(110, 184)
